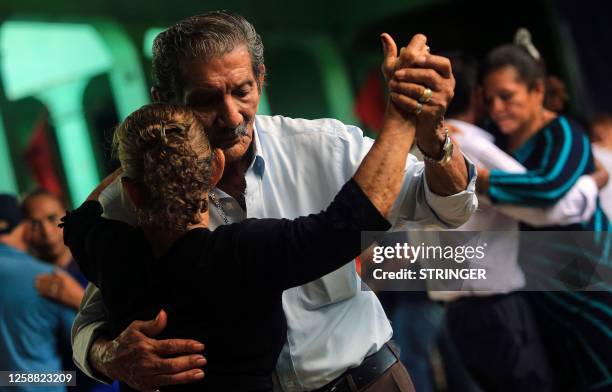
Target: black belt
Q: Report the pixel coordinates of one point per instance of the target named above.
(371, 368)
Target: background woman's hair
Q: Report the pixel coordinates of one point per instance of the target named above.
(528, 69)
(163, 148)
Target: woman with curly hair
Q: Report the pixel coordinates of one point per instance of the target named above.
(237, 272)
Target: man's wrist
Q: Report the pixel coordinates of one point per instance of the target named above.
(434, 151)
(97, 357)
(431, 143)
(395, 118)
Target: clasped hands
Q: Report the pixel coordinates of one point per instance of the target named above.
(421, 86)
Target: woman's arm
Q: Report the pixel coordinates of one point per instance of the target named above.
(282, 253)
(577, 205)
(565, 158)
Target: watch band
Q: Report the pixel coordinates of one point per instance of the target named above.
(447, 151)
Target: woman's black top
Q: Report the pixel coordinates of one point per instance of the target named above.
(222, 287)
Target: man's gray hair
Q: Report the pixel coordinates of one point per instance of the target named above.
(204, 37)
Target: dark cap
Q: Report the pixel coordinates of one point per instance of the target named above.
(10, 213)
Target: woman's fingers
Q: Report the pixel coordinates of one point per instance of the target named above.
(406, 104)
(440, 64)
(424, 77)
(414, 52)
(412, 90)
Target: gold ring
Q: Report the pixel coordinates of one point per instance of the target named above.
(426, 96)
(419, 108)
(54, 288)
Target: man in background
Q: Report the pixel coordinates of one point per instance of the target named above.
(31, 326)
(66, 284)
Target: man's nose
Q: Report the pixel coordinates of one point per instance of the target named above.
(229, 114)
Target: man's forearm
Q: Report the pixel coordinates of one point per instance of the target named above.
(381, 171)
(449, 179)
(88, 325)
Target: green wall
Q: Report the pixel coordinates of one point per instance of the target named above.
(96, 70)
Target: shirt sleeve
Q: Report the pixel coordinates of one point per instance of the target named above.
(454, 210)
(565, 157)
(578, 205)
(290, 253)
(416, 205)
(483, 152)
(89, 324)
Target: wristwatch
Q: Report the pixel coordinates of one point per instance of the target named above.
(447, 151)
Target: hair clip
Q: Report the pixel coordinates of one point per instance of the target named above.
(522, 38)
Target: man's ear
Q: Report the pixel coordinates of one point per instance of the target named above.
(133, 191)
(218, 164)
(262, 77)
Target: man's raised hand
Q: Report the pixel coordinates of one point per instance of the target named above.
(421, 85)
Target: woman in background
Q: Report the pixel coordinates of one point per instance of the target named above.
(556, 152)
